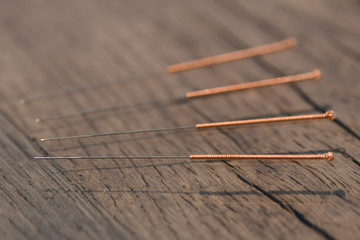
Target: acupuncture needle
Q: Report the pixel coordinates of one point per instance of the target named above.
(313, 75)
(208, 157)
(285, 44)
(328, 115)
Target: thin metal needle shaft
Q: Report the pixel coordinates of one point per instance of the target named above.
(328, 115)
(327, 156)
(88, 87)
(114, 157)
(313, 75)
(285, 44)
(119, 133)
(113, 108)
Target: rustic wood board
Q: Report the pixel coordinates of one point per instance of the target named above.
(50, 45)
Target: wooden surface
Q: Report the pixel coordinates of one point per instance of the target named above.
(51, 45)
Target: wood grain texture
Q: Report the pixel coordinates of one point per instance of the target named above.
(50, 45)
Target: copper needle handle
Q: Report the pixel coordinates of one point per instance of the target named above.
(233, 56)
(313, 75)
(328, 115)
(328, 156)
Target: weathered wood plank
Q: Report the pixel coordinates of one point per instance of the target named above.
(31, 204)
(46, 49)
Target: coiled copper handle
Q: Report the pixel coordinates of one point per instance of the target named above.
(328, 156)
(313, 75)
(233, 56)
(328, 115)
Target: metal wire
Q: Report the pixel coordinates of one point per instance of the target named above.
(114, 157)
(118, 133)
(88, 87)
(119, 107)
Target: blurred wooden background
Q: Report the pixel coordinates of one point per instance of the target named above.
(51, 45)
